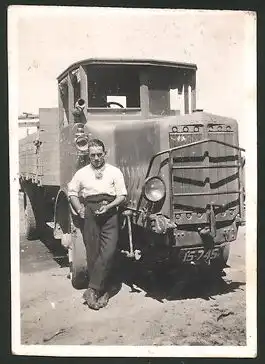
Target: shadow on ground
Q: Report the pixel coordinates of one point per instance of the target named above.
(161, 285)
(158, 285)
(58, 252)
(43, 254)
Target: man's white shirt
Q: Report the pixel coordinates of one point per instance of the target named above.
(84, 183)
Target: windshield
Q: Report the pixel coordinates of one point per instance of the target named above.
(113, 87)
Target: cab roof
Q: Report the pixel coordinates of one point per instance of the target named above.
(129, 62)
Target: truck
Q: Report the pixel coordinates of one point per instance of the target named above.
(183, 167)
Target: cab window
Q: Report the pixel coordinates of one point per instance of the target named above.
(169, 91)
(112, 86)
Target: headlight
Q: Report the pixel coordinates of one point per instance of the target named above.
(154, 189)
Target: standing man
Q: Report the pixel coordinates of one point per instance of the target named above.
(102, 189)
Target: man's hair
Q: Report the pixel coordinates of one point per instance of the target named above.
(96, 143)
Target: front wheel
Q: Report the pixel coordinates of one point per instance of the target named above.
(78, 261)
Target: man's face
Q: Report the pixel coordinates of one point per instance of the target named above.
(96, 156)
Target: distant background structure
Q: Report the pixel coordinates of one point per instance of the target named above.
(28, 124)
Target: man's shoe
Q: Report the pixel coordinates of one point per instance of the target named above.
(91, 298)
(103, 300)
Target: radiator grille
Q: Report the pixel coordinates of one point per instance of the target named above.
(204, 174)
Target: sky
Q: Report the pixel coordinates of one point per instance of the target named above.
(221, 43)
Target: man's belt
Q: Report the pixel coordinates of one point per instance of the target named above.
(103, 198)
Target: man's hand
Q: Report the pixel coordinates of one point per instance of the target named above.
(102, 210)
(81, 212)
(78, 207)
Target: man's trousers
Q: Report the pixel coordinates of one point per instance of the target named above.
(100, 237)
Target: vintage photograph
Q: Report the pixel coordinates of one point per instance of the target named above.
(133, 181)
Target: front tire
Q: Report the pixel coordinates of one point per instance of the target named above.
(68, 228)
(78, 261)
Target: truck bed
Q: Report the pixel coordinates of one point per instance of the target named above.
(39, 157)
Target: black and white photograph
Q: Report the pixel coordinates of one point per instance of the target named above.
(133, 174)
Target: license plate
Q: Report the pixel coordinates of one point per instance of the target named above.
(193, 255)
